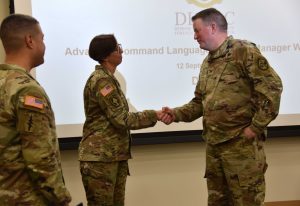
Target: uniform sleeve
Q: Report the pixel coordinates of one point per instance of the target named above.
(192, 110)
(116, 109)
(40, 147)
(267, 89)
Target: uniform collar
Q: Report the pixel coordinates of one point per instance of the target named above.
(100, 67)
(222, 50)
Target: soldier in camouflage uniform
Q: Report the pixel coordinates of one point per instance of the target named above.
(238, 95)
(105, 146)
(30, 169)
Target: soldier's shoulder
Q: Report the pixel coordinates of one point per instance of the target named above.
(242, 47)
(99, 77)
(101, 74)
(22, 83)
(242, 43)
(19, 79)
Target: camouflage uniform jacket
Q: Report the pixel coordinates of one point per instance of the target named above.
(236, 88)
(30, 169)
(106, 131)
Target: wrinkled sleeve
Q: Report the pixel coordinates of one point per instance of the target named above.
(267, 89)
(116, 108)
(40, 148)
(192, 110)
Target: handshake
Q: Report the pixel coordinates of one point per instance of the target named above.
(166, 115)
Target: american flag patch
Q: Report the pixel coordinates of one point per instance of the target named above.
(106, 90)
(34, 102)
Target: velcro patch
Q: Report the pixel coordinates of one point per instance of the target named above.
(34, 102)
(114, 101)
(106, 90)
(262, 64)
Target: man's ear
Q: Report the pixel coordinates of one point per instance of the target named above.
(29, 41)
(213, 27)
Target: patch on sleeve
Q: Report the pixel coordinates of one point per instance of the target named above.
(114, 101)
(29, 123)
(106, 90)
(262, 64)
(34, 102)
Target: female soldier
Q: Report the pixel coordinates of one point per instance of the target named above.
(105, 146)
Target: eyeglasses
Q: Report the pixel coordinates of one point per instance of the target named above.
(119, 48)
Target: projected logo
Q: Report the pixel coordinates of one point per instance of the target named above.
(204, 3)
(183, 22)
(183, 19)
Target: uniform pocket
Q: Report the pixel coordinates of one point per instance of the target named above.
(246, 161)
(251, 174)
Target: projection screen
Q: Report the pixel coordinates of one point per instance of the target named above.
(161, 60)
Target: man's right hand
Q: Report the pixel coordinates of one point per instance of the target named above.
(167, 116)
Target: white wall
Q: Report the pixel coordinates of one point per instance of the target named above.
(4, 11)
(172, 174)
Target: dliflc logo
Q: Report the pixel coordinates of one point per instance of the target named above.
(204, 3)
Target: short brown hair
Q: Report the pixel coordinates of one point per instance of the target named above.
(212, 15)
(12, 30)
(102, 46)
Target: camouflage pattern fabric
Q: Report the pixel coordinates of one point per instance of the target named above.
(106, 131)
(30, 168)
(235, 172)
(104, 182)
(106, 138)
(237, 88)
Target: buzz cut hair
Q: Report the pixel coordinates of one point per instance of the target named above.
(13, 29)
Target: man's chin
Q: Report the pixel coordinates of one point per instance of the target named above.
(202, 46)
(39, 63)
